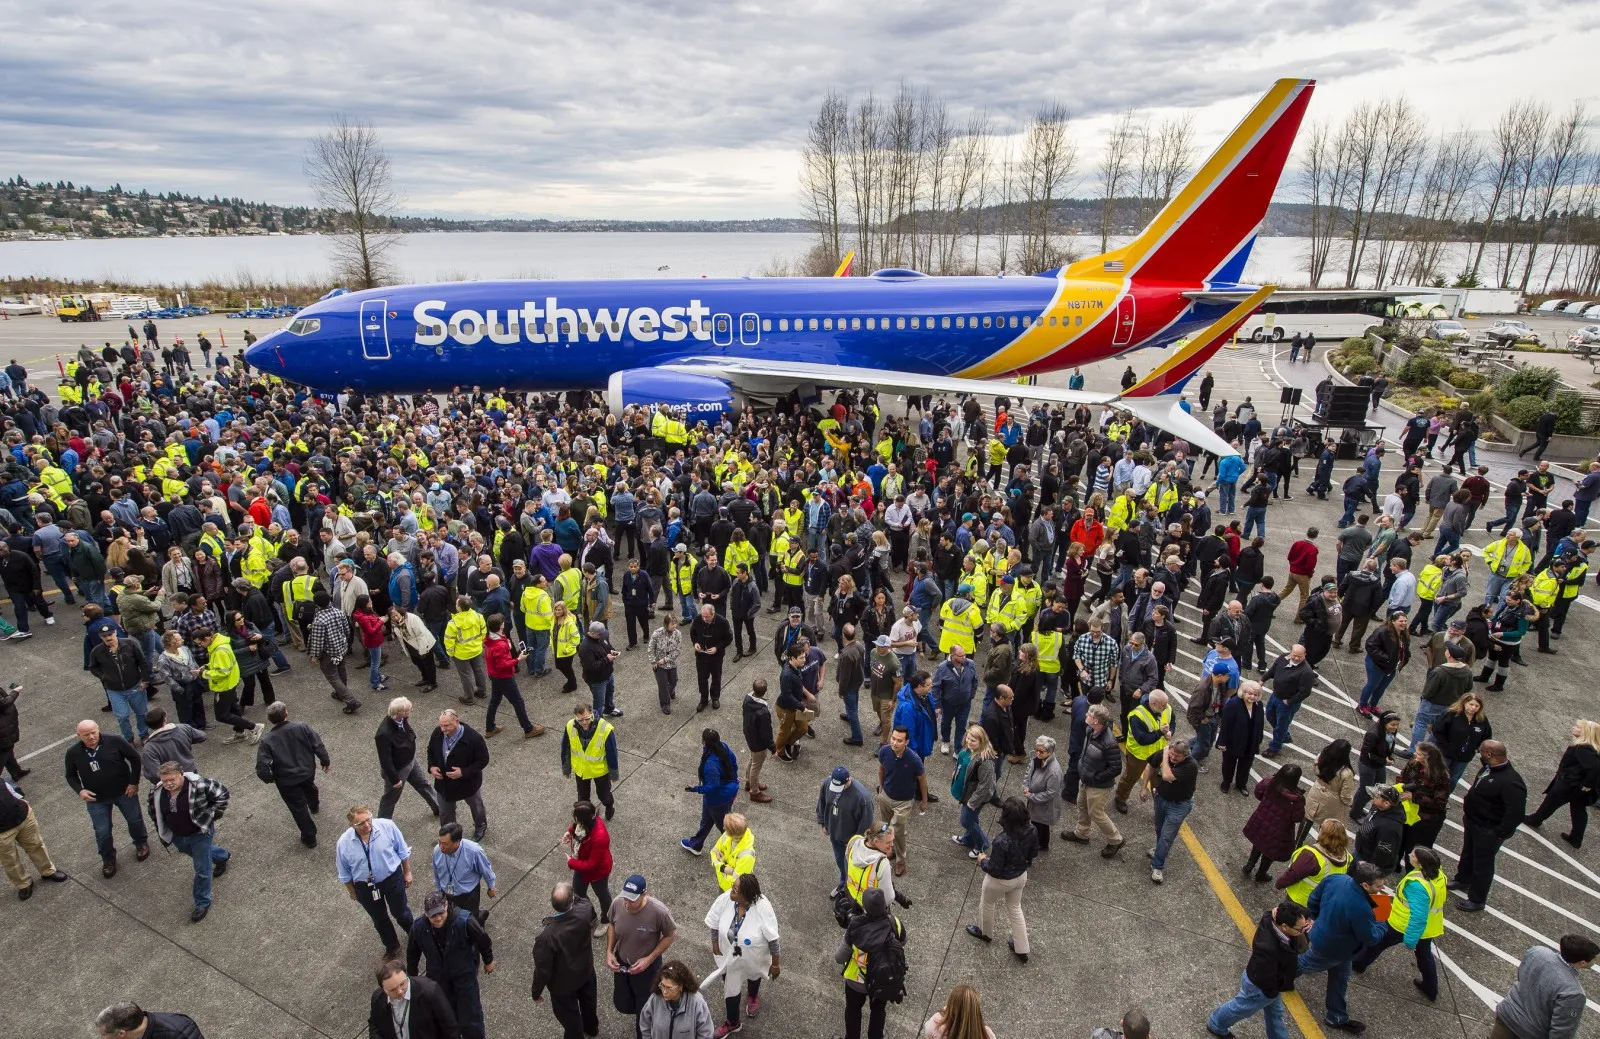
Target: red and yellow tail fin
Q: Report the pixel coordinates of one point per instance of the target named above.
(1170, 375)
(845, 265)
(1221, 205)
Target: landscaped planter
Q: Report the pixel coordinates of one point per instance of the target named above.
(1562, 448)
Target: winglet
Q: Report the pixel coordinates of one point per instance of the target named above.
(845, 265)
(1169, 375)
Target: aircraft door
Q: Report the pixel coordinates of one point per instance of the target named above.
(749, 329)
(375, 329)
(722, 330)
(1123, 333)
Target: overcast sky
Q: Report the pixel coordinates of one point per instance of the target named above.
(673, 109)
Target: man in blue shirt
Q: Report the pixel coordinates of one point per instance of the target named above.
(1222, 670)
(461, 869)
(900, 781)
(375, 867)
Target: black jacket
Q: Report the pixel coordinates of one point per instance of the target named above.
(1241, 729)
(1379, 837)
(1497, 802)
(594, 659)
(1376, 748)
(431, 1014)
(397, 748)
(1010, 855)
(1273, 962)
(289, 753)
(10, 726)
(1002, 732)
(451, 958)
(716, 633)
(19, 573)
(121, 670)
(1458, 737)
(1259, 611)
(119, 767)
(175, 1026)
(1362, 592)
(1387, 651)
(758, 734)
(1101, 762)
(1579, 770)
(471, 756)
(563, 953)
(638, 594)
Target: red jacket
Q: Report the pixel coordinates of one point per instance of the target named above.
(1303, 558)
(498, 658)
(593, 861)
(371, 626)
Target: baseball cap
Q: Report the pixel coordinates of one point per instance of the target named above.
(840, 774)
(1385, 791)
(633, 887)
(883, 642)
(967, 516)
(795, 611)
(680, 548)
(1007, 579)
(1461, 624)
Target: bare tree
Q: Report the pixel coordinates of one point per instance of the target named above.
(1324, 170)
(864, 164)
(350, 174)
(1049, 159)
(1446, 188)
(1174, 155)
(1513, 132)
(1554, 174)
(822, 173)
(1121, 139)
(938, 161)
(968, 188)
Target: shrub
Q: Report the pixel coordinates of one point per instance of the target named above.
(1523, 412)
(1526, 382)
(1424, 367)
(1360, 364)
(1388, 333)
(1407, 342)
(1568, 407)
(1483, 404)
(1466, 379)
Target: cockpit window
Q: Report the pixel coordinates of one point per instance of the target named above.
(304, 326)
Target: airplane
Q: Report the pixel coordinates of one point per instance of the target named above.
(704, 346)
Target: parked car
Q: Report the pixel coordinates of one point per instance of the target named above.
(1449, 331)
(1588, 335)
(1508, 332)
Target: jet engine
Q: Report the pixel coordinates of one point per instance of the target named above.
(694, 398)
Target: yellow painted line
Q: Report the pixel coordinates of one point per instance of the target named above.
(1309, 1026)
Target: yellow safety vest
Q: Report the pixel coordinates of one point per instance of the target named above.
(1048, 643)
(222, 667)
(298, 589)
(731, 860)
(741, 552)
(1003, 610)
(858, 879)
(1413, 811)
(588, 762)
(463, 636)
(567, 637)
(794, 520)
(997, 562)
(1428, 582)
(779, 546)
(1163, 501)
(1029, 595)
(255, 562)
(1521, 559)
(794, 566)
(57, 480)
(1144, 752)
(1400, 909)
(1300, 890)
(1574, 582)
(956, 629)
(1122, 513)
(569, 584)
(1544, 590)
(537, 609)
(682, 576)
(214, 544)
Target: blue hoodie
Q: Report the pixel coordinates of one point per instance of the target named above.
(1229, 469)
(918, 719)
(716, 788)
(1345, 919)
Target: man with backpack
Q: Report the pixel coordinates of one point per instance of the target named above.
(1379, 837)
(872, 952)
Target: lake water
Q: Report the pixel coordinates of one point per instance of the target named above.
(470, 255)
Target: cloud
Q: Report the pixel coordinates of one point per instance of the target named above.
(674, 108)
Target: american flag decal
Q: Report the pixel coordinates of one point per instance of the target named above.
(1115, 266)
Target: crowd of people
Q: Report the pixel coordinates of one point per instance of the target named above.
(974, 571)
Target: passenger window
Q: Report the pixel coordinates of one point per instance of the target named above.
(766, 324)
(986, 320)
(899, 322)
(872, 324)
(813, 324)
(944, 322)
(827, 323)
(916, 322)
(961, 322)
(1052, 321)
(1080, 320)
(783, 324)
(1013, 322)
(855, 324)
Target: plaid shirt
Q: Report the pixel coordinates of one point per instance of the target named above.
(1098, 658)
(190, 621)
(330, 635)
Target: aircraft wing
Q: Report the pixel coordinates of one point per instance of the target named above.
(758, 376)
(1232, 296)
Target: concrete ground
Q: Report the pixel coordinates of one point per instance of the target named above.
(285, 953)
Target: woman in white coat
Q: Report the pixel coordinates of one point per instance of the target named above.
(744, 940)
(418, 641)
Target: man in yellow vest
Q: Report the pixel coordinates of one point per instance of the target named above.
(568, 583)
(223, 677)
(463, 643)
(299, 591)
(1571, 584)
(1149, 728)
(959, 620)
(538, 618)
(589, 755)
(1507, 560)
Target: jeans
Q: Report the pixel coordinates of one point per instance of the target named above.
(1449, 541)
(973, 835)
(206, 855)
(1351, 504)
(506, 689)
(1313, 961)
(149, 641)
(1442, 612)
(437, 630)
(100, 816)
(1377, 683)
(1509, 520)
(95, 592)
(604, 695)
(56, 567)
(130, 701)
(1169, 817)
(1249, 1000)
(838, 859)
(538, 645)
(1457, 770)
(375, 666)
(852, 702)
(1255, 516)
(956, 716)
(1496, 589)
(710, 815)
(1226, 497)
(1205, 734)
(1423, 726)
(1280, 715)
